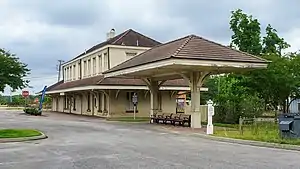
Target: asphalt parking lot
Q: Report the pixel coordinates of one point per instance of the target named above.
(77, 142)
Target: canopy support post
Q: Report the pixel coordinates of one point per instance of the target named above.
(195, 80)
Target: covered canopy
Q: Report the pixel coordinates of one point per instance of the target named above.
(192, 58)
(190, 53)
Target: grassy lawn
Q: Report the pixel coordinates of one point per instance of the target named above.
(129, 119)
(16, 133)
(266, 132)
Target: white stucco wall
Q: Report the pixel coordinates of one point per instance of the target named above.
(118, 55)
(118, 104)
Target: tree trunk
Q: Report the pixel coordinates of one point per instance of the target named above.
(284, 106)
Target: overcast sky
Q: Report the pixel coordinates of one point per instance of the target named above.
(41, 32)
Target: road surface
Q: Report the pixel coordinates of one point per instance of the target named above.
(77, 142)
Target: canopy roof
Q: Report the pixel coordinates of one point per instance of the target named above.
(190, 53)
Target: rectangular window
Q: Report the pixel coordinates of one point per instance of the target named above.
(95, 101)
(74, 103)
(79, 70)
(74, 72)
(99, 102)
(89, 67)
(100, 63)
(105, 102)
(88, 102)
(84, 68)
(68, 74)
(94, 66)
(65, 74)
(299, 107)
(105, 61)
(66, 102)
(71, 73)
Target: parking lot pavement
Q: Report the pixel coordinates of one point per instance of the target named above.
(88, 143)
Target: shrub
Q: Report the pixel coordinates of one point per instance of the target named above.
(33, 111)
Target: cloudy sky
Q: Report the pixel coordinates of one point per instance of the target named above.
(40, 32)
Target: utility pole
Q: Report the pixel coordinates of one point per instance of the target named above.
(59, 69)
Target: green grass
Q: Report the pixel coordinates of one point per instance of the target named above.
(17, 133)
(129, 119)
(266, 132)
(14, 108)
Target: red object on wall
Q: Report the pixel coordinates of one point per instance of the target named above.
(25, 93)
(36, 100)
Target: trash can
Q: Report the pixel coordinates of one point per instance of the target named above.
(289, 125)
(296, 126)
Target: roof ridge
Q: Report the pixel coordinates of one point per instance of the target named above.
(257, 57)
(124, 34)
(183, 45)
(146, 36)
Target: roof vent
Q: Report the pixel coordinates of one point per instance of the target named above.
(110, 34)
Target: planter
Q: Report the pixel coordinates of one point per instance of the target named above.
(32, 111)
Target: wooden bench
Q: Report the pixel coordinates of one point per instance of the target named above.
(182, 119)
(163, 117)
(171, 118)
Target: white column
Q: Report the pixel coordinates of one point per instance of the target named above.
(196, 81)
(154, 89)
(195, 100)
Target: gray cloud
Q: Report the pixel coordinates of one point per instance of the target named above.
(41, 32)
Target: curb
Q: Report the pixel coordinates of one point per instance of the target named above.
(240, 141)
(250, 142)
(22, 139)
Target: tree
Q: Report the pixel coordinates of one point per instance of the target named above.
(234, 101)
(12, 71)
(279, 81)
(273, 44)
(246, 32)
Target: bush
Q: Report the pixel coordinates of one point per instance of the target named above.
(33, 111)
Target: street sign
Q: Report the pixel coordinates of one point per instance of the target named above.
(134, 99)
(25, 93)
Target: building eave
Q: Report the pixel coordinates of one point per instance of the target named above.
(118, 87)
